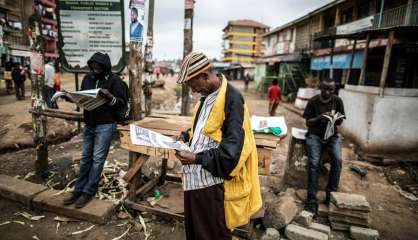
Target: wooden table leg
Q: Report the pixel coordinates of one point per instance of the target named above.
(136, 180)
(163, 172)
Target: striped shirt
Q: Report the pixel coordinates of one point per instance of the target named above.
(195, 177)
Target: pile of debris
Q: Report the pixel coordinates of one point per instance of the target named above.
(347, 210)
(346, 213)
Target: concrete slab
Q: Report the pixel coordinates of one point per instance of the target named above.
(96, 211)
(358, 233)
(19, 190)
(295, 232)
(350, 201)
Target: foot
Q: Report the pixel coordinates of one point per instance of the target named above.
(71, 199)
(83, 200)
(312, 207)
(327, 198)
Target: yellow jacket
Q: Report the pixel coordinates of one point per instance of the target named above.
(242, 191)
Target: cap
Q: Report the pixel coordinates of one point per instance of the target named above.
(193, 64)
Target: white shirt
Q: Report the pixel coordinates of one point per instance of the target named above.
(49, 75)
(195, 177)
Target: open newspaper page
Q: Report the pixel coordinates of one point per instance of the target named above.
(87, 99)
(330, 130)
(146, 137)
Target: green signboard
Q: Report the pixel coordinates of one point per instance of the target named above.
(86, 27)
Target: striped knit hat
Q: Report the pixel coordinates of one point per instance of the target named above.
(193, 64)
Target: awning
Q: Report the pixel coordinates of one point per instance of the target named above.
(339, 61)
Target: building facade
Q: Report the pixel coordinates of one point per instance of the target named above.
(242, 45)
(14, 29)
(369, 48)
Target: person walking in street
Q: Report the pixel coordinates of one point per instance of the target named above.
(275, 96)
(317, 112)
(100, 126)
(49, 84)
(247, 81)
(19, 77)
(221, 184)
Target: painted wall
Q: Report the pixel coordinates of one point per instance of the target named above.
(381, 124)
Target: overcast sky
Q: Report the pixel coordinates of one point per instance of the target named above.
(211, 16)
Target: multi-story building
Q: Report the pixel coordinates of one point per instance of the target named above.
(14, 28)
(370, 49)
(242, 45)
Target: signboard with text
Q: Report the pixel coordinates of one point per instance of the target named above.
(86, 27)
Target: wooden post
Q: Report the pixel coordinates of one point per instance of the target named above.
(353, 51)
(364, 65)
(39, 122)
(77, 88)
(386, 61)
(331, 70)
(188, 47)
(135, 79)
(148, 59)
(135, 92)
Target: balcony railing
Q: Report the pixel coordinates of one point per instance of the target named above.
(405, 15)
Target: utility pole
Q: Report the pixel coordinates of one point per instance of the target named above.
(39, 122)
(149, 69)
(135, 93)
(188, 47)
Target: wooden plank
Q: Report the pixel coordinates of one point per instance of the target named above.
(162, 178)
(136, 166)
(153, 210)
(150, 151)
(364, 65)
(165, 123)
(386, 62)
(264, 160)
(265, 143)
(146, 187)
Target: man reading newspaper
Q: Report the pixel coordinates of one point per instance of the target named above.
(100, 125)
(220, 172)
(323, 114)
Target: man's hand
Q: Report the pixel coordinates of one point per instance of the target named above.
(178, 138)
(106, 94)
(186, 157)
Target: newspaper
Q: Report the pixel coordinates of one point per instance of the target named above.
(87, 99)
(146, 137)
(332, 118)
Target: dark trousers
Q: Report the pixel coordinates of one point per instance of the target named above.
(20, 89)
(315, 146)
(205, 215)
(49, 92)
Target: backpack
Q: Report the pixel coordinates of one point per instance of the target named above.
(124, 114)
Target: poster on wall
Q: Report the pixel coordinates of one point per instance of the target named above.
(137, 14)
(86, 27)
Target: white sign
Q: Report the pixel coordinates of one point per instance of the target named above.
(88, 27)
(355, 26)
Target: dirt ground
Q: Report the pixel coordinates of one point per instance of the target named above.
(395, 216)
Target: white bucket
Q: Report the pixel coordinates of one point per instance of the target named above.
(304, 94)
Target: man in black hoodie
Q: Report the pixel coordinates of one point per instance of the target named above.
(100, 125)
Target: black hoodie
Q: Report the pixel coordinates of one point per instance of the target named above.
(112, 82)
